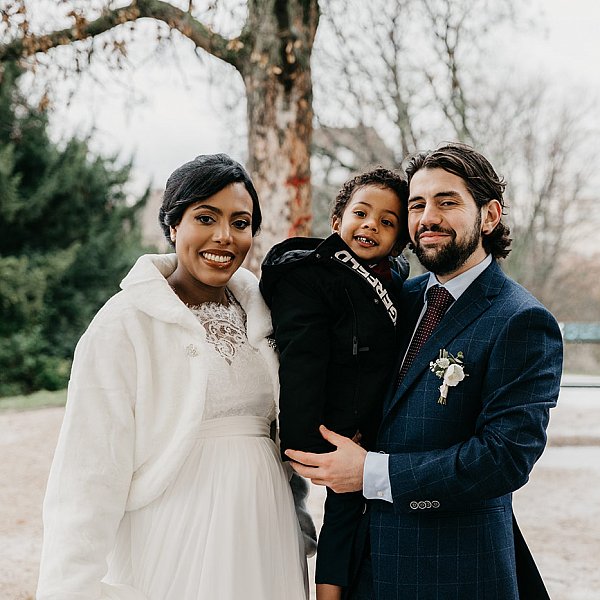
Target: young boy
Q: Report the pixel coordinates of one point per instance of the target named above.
(334, 315)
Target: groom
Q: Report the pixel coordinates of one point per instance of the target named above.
(466, 416)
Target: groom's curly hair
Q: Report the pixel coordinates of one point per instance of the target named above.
(481, 180)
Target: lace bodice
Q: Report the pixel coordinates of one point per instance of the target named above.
(238, 380)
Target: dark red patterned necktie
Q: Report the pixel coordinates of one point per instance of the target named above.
(439, 300)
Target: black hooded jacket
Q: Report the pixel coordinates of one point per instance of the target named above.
(335, 327)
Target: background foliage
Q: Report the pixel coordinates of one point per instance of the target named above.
(68, 236)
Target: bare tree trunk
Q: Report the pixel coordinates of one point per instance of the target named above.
(279, 99)
(279, 137)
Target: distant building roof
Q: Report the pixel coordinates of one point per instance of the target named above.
(365, 144)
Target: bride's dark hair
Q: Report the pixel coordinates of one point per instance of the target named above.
(199, 179)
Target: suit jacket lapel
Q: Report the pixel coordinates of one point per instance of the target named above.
(476, 299)
(411, 304)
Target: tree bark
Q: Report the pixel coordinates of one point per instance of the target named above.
(279, 100)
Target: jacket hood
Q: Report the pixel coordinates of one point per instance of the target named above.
(285, 255)
(297, 250)
(290, 251)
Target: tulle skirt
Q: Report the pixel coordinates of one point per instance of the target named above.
(225, 529)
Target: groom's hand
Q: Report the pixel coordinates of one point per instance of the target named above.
(341, 470)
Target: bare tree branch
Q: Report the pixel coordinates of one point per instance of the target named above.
(182, 21)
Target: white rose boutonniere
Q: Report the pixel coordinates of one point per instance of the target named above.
(450, 369)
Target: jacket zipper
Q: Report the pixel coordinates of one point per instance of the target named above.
(354, 353)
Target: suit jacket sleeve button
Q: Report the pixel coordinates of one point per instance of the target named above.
(414, 505)
(428, 504)
(421, 504)
(435, 504)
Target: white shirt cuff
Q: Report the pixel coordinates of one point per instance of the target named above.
(376, 478)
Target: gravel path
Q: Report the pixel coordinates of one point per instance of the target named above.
(558, 510)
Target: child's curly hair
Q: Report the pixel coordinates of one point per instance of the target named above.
(381, 178)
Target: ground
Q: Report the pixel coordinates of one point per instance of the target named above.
(558, 510)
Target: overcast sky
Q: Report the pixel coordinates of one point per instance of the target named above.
(174, 114)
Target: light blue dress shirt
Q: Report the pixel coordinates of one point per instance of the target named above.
(376, 478)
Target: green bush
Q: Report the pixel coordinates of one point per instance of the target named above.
(69, 234)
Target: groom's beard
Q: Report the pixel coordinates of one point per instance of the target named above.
(452, 255)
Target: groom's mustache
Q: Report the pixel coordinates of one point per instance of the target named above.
(436, 229)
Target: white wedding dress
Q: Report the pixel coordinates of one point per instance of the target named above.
(226, 528)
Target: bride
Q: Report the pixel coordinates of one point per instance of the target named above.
(166, 484)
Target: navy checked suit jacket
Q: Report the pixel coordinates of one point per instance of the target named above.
(449, 533)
